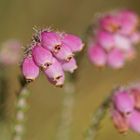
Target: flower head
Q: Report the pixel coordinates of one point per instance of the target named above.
(117, 34)
(125, 108)
(52, 53)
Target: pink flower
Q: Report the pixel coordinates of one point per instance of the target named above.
(29, 69)
(55, 72)
(97, 55)
(119, 121)
(74, 42)
(59, 82)
(42, 57)
(122, 42)
(134, 121)
(64, 54)
(53, 53)
(109, 23)
(125, 108)
(117, 34)
(70, 66)
(10, 52)
(135, 37)
(105, 39)
(130, 54)
(51, 40)
(135, 93)
(115, 59)
(128, 20)
(123, 102)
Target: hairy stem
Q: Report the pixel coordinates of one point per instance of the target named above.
(96, 119)
(21, 108)
(64, 128)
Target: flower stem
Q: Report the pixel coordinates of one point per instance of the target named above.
(21, 109)
(97, 118)
(69, 96)
(64, 128)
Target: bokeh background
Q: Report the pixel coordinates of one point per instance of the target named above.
(17, 20)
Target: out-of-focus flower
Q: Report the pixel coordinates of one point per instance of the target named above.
(97, 55)
(117, 34)
(106, 40)
(115, 59)
(10, 52)
(119, 121)
(123, 102)
(125, 108)
(134, 121)
(109, 22)
(52, 53)
(128, 21)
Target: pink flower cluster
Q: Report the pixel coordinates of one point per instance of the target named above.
(112, 43)
(126, 108)
(10, 52)
(52, 53)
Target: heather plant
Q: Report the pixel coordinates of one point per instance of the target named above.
(111, 42)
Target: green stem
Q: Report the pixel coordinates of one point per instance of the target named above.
(21, 109)
(64, 128)
(96, 119)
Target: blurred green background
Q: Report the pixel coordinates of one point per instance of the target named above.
(17, 19)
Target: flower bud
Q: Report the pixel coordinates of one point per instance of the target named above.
(29, 69)
(74, 42)
(59, 82)
(119, 121)
(123, 102)
(55, 73)
(42, 57)
(70, 66)
(64, 54)
(135, 93)
(51, 41)
(134, 121)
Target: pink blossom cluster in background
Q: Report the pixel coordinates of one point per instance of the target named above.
(53, 53)
(10, 52)
(113, 41)
(126, 108)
